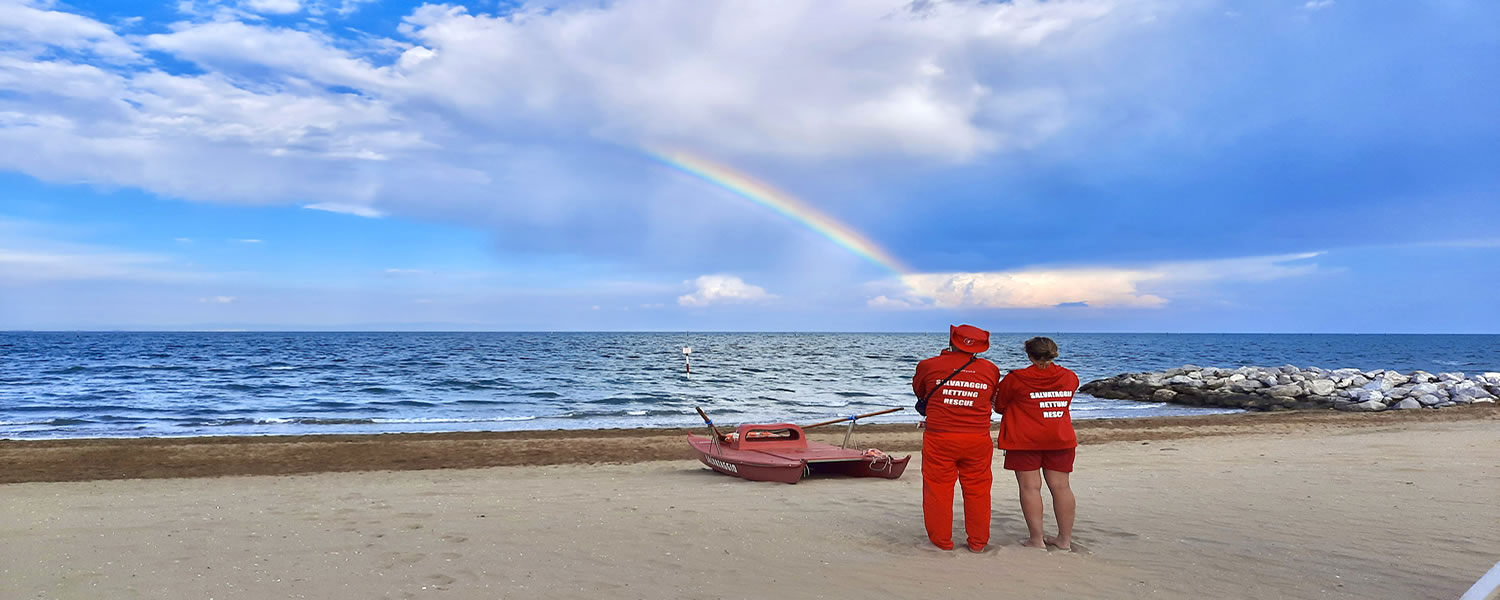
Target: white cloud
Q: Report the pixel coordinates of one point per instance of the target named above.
(277, 7)
(348, 209)
(717, 289)
(1097, 287)
(1317, 4)
(218, 299)
(32, 28)
(280, 114)
(250, 241)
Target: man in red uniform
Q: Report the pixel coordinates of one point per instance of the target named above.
(1036, 433)
(955, 392)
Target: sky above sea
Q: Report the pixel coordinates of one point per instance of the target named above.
(681, 165)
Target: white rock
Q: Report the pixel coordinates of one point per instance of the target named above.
(1450, 377)
(1380, 384)
(1185, 380)
(1358, 381)
(1319, 387)
(1283, 379)
(1490, 378)
(1237, 377)
(1368, 395)
(1423, 389)
(1422, 377)
(1367, 406)
(1163, 395)
(1345, 373)
(1290, 390)
(1428, 400)
(1289, 369)
(1247, 385)
(1407, 404)
(1269, 380)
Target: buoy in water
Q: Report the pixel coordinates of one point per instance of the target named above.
(687, 352)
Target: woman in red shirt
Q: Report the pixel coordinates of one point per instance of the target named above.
(1036, 433)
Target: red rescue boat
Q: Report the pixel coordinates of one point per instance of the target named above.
(782, 452)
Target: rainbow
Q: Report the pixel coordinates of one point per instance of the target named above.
(784, 204)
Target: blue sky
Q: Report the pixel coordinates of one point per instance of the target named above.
(1071, 165)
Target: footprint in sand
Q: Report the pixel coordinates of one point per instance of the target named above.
(440, 579)
(455, 538)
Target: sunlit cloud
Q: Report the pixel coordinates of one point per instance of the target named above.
(718, 289)
(1084, 287)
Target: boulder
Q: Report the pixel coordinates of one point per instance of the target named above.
(1367, 406)
(1468, 391)
(1489, 378)
(1428, 400)
(1422, 377)
(1163, 395)
(1407, 404)
(1184, 380)
(1423, 389)
(1368, 395)
(1269, 381)
(1358, 381)
(1236, 378)
(1248, 385)
(1289, 390)
(1319, 387)
(1289, 369)
(1450, 377)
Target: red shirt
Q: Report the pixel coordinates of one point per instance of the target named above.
(963, 404)
(1035, 407)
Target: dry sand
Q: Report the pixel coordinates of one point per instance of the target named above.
(1281, 506)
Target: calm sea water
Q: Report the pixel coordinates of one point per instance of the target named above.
(66, 385)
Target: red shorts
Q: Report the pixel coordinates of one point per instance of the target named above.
(1031, 460)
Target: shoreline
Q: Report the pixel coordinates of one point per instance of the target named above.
(91, 459)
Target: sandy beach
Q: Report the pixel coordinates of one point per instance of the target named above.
(1284, 505)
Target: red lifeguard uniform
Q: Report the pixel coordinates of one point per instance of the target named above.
(956, 444)
(1036, 431)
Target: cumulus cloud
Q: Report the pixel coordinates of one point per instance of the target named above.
(718, 289)
(218, 299)
(276, 114)
(1084, 287)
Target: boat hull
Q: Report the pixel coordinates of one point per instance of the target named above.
(791, 464)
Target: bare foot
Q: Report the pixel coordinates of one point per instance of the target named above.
(1056, 543)
(1030, 543)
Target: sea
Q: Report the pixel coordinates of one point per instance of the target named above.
(127, 384)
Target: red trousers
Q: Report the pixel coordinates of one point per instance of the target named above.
(965, 458)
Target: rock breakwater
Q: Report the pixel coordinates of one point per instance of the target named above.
(1289, 387)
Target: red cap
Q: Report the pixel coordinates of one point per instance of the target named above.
(969, 338)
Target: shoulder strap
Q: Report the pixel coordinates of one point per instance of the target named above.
(922, 402)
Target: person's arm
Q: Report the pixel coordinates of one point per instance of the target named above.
(998, 399)
(919, 388)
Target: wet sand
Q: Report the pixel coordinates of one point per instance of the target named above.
(151, 458)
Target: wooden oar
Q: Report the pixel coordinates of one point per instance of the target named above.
(710, 422)
(853, 418)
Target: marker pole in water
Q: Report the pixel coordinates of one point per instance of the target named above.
(687, 352)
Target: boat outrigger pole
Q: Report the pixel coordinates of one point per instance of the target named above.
(717, 436)
(851, 418)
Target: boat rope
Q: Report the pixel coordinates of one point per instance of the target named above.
(879, 461)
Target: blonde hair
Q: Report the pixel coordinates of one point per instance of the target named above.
(1041, 349)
